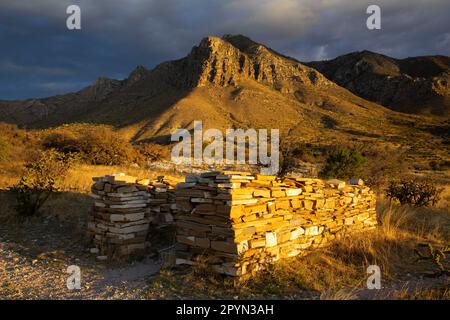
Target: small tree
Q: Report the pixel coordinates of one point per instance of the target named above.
(417, 193)
(343, 163)
(39, 181)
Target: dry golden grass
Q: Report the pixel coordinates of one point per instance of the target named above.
(79, 178)
(336, 272)
(439, 293)
(10, 173)
(445, 196)
(391, 247)
(73, 200)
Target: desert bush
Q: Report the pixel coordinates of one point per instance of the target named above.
(308, 153)
(105, 146)
(63, 141)
(39, 181)
(153, 151)
(343, 163)
(414, 192)
(17, 145)
(287, 160)
(4, 150)
(329, 122)
(439, 165)
(95, 144)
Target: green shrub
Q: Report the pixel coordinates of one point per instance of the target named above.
(417, 193)
(329, 122)
(343, 163)
(39, 181)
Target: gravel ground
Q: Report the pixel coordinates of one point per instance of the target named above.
(34, 257)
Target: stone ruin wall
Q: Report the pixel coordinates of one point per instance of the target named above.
(124, 211)
(237, 221)
(242, 222)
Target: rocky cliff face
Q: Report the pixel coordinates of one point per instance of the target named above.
(227, 61)
(412, 85)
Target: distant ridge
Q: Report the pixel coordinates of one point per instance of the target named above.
(412, 85)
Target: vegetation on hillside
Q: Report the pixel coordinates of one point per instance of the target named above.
(94, 144)
(4, 150)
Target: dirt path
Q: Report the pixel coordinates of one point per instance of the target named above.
(34, 257)
(45, 277)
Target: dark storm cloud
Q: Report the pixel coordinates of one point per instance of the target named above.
(40, 57)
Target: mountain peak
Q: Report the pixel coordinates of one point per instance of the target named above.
(240, 41)
(137, 74)
(232, 59)
(102, 81)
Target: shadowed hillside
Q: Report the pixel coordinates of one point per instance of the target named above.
(412, 85)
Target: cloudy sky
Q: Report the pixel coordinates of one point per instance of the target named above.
(40, 57)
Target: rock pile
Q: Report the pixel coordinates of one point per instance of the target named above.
(162, 200)
(241, 222)
(119, 222)
(123, 210)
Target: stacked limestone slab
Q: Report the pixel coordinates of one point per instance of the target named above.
(241, 222)
(124, 208)
(162, 200)
(119, 222)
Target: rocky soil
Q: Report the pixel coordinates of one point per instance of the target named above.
(34, 257)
